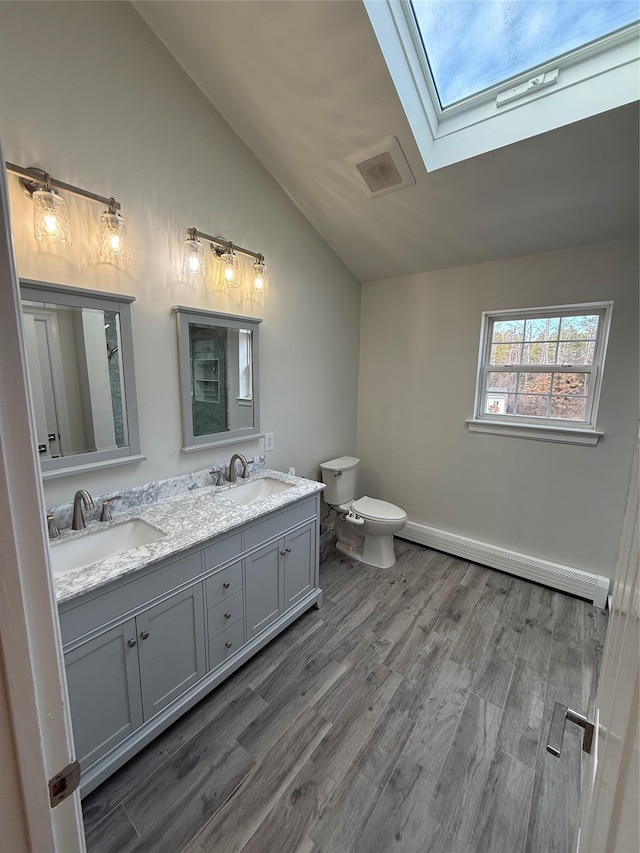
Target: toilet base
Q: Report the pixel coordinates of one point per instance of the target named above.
(376, 551)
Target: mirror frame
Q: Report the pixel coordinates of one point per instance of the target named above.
(184, 317)
(78, 297)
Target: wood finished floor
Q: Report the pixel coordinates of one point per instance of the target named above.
(409, 714)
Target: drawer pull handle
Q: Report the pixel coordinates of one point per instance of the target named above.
(132, 642)
(228, 644)
(144, 635)
(227, 615)
(226, 584)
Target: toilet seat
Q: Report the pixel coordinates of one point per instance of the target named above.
(376, 510)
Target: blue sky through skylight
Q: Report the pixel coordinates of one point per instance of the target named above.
(474, 44)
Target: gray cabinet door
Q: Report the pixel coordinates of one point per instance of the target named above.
(264, 587)
(299, 548)
(104, 691)
(171, 647)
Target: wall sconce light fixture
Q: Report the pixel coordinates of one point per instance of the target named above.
(192, 255)
(229, 269)
(227, 255)
(260, 277)
(113, 234)
(50, 218)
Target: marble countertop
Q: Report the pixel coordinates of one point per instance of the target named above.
(186, 520)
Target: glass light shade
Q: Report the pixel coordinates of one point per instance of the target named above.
(114, 244)
(229, 270)
(193, 258)
(260, 278)
(50, 218)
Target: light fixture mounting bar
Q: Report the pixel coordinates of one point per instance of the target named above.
(33, 177)
(218, 241)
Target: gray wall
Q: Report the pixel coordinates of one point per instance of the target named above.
(419, 351)
(108, 108)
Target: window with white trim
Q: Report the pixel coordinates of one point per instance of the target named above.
(590, 76)
(475, 46)
(542, 368)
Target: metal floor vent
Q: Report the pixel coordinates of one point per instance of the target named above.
(382, 167)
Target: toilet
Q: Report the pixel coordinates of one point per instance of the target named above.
(365, 527)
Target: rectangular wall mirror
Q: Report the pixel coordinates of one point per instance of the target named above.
(79, 349)
(218, 356)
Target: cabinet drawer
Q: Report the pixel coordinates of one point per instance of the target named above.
(137, 591)
(275, 525)
(225, 614)
(226, 644)
(224, 584)
(222, 550)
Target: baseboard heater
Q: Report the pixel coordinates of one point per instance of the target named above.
(595, 588)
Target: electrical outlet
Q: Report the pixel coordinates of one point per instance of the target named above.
(269, 441)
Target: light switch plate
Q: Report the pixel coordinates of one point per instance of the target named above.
(269, 441)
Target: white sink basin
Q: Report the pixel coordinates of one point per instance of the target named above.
(254, 490)
(74, 553)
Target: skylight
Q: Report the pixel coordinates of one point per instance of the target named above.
(496, 72)
(473, 45)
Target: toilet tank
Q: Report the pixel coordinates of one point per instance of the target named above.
(339, 477)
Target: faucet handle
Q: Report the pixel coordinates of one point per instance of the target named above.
(220, 481)
(105, 515)
(52, 527)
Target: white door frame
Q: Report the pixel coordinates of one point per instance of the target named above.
(609, 813)
(37, 731)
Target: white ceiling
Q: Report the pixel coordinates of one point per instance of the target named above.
(305, 85)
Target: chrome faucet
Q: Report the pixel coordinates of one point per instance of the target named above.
(232, 467)
(82, 496)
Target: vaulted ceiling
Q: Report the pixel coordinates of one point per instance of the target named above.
(304, 84)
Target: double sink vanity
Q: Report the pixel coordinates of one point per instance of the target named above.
(158, 605)
(162, 603)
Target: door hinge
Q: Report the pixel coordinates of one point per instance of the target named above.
(64, 783)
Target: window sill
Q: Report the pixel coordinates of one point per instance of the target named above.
(564, 435)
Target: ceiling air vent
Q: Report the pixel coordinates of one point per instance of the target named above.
(382, 167)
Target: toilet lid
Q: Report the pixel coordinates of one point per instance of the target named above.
(342, 463)
(378, 510)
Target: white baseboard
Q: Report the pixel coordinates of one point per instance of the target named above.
(565, 578)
